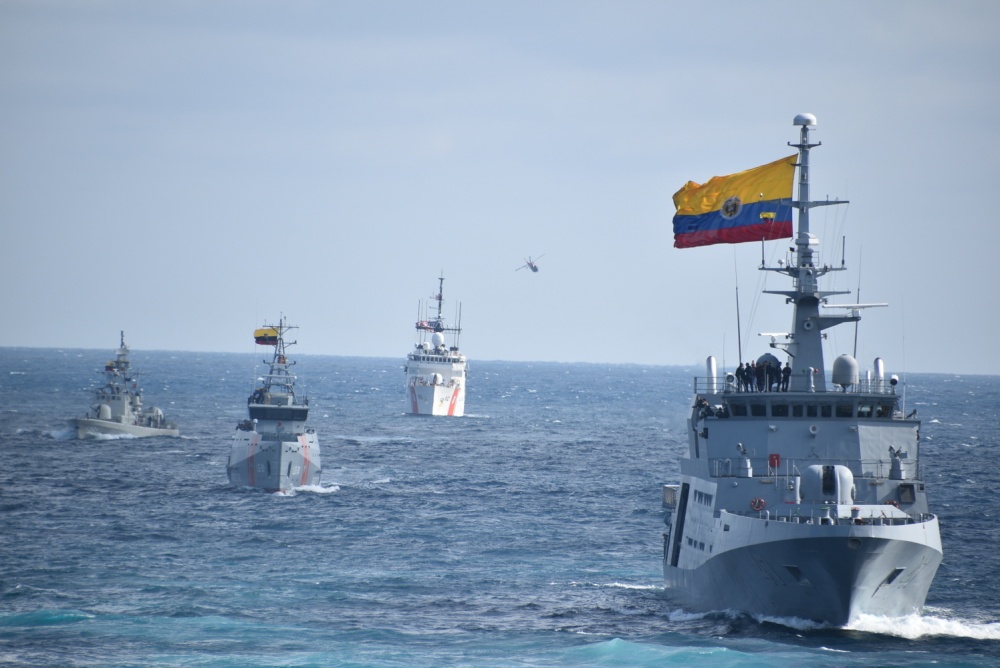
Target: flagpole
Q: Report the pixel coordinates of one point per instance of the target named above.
(739, 333)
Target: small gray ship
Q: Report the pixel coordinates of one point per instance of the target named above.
(118, 408)
(800, 498)
(274, 449)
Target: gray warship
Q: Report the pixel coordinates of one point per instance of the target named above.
(802, 499)
(118, 409)
(273, 449)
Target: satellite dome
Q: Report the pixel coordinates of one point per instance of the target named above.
(845, 371)
(770, 359)
(437, 339)
(805, 119)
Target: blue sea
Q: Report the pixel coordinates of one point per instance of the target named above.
(527, 533)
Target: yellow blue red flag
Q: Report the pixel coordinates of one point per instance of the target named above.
(751, 205)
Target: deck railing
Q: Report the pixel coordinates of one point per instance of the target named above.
(867, 469)
(726, 384)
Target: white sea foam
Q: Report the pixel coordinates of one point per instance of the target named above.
(109, 437)
(921, 626)
(681, 615)
(792, 622)
(615, 585)
(318, 489)
(625, 585)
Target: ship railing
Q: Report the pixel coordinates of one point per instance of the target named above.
(282, 436)
(726, 384)
(446, 358)
(824, 514)
(871, 470)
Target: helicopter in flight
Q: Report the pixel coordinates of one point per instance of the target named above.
(531, 264)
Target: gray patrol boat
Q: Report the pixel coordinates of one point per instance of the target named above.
(807, 502)
(118, 409)
(273, 449)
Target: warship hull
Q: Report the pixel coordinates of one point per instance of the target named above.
(780, 571)
(272, 463)
(95, 427)
(436, 399)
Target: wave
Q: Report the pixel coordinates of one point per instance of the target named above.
(44, 618)
(91, 436)
(923, 626)
(65, 434)
(371, 440)
(310, 489)
(622, 652)
(614, 585)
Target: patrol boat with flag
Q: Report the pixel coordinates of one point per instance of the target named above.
(435, 371)
(808, 502)
(118, 410)
(274, 449)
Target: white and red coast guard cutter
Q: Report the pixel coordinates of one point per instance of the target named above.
(435, 371)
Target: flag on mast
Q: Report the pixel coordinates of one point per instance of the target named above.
(750, 205)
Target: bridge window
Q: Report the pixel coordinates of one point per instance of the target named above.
(703, 498)
(779, 410)
(758, 410)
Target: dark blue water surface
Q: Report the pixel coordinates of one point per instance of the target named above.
(527, 533)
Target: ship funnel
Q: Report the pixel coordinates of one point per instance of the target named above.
(711, 371)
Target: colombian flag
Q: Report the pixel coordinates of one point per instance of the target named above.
(746, 206)
(266, 336)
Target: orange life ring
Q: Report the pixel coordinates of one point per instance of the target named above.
(758, 504)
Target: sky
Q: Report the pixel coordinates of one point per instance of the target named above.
(186, 171)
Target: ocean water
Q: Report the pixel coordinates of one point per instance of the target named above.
(527, 533)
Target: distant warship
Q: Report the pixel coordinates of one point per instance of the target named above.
(274, 449)
(118, 409)
(435, 372)
(797, 498)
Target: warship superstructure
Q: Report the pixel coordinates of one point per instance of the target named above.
(435, 371)
(118, 410)
(801, 496)
(274, 449)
